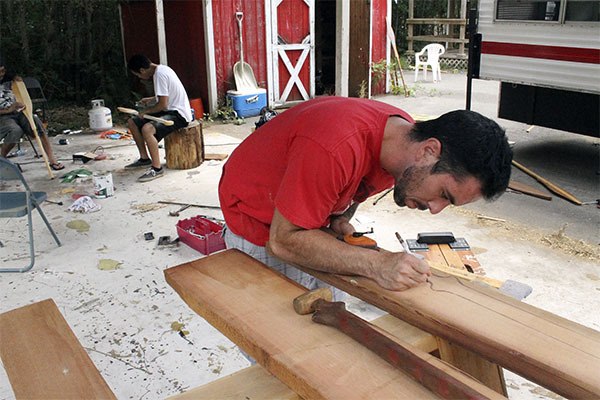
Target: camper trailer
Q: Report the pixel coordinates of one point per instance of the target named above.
(546, 54)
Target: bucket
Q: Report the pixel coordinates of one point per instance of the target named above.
(100, 116)
(103, 185)
(196, 104)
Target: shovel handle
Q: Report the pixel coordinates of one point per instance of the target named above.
(240, 16)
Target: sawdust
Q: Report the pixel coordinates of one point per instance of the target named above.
(557, 240)
(593, 277)
(146, 207)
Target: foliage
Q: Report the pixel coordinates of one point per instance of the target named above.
(422, 9)
(225, 113)
(73, 47)
(380, 69)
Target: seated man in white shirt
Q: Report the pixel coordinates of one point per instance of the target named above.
(172, 104)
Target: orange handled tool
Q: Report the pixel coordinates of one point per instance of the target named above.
(359, 239)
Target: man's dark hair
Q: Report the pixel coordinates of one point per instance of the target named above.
(138, 62)
(471, 145)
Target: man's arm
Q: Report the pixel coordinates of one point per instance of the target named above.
(15, 107)
(319, 250)
(162, 104)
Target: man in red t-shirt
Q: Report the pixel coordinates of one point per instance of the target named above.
(310, 167)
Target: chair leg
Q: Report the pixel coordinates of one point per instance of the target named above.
(32, 146)
(48, 224)
(31, 251)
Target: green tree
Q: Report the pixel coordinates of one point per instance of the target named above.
(73, 47)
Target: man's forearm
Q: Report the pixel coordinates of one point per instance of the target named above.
(319, 250)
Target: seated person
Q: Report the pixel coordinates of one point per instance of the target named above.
(14, 123)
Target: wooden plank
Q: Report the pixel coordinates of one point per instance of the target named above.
(487, 372)
(436, 21)
(406, 333)
(252, 305)
(431, 38)
(556, 353)
(526, 189)
(249, 383)
(256, 383)
(43, 358)
(215, 156)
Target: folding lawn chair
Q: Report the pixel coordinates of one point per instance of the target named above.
(18, 204)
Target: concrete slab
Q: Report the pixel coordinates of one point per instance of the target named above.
(128, 318)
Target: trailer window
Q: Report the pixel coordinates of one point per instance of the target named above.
(544, 10)
(583, 10)
(528, 10)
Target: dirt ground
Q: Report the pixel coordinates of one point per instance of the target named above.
(108, 282)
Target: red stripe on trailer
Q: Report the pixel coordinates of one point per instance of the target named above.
(574, 54)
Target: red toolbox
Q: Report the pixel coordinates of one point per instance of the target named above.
(201, 234)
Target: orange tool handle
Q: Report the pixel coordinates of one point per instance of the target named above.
(361, 241)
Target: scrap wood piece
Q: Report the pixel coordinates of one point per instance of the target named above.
(43, 358)
(551, 351)
(215, 156)
(249, 383)
(252, 305)
(526, 189)
(549, 185)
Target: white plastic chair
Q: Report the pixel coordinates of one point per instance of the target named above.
(434, 51)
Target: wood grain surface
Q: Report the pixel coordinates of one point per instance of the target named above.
(554, 352)
(43, 358)
(252, 305)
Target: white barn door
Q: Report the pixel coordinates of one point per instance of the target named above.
(290, 42)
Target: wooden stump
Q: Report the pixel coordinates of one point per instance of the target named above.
(184, 148)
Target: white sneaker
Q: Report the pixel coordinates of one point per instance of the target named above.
(151, 175)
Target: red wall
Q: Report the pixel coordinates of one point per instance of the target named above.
(378, 47)
(226, 34)
(184, 31)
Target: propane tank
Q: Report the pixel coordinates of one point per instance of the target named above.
(100, 116)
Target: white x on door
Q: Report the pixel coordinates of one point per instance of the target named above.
(292, 50)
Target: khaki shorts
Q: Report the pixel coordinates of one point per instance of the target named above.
(14, 126)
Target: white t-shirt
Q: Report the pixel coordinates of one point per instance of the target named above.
(166, 83)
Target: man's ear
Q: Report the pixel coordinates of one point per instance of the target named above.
(429, 151)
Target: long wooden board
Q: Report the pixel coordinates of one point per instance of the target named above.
(252, 305)
(554, 352)
(43, 358)
(256, 383)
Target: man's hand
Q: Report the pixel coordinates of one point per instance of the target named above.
(17, 107)
(341, 226)
(400, 271)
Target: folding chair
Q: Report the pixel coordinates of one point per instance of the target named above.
(18, 204)
(37, 95)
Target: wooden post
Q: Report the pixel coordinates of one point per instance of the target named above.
(184, 148)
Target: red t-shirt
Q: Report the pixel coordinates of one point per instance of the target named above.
(310, 162)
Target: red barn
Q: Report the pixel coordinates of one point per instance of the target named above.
(297, 49)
